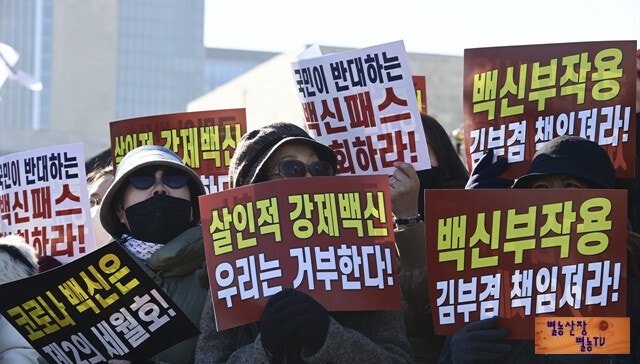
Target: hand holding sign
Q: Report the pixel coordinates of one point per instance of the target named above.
(293, 317)
(480, 341)
(405, 187)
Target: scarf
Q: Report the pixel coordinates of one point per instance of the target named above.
(140, 249)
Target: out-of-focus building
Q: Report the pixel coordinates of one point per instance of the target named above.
(269, 94)
(99, 60)
(223, 65)
(106, 60)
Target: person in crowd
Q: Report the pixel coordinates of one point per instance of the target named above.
(151, 208)
(17, 260)
(447, 170)
(564, 162)
(293, 326)
(632, 185)
(407, 200)
(633, 299)
(98, 182)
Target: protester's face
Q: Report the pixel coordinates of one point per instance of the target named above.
(99, 188)
(292, 151)
(134, 194)
(557, 181)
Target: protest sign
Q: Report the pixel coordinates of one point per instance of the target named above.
(205, 140)
(331, 237)
(582, 335)
(44, 198)
(520, 254)
(100, 306)
(420, 85)
(517, 98)
(362, 104)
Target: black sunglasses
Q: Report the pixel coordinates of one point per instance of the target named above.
(294, 168)
(146, 178)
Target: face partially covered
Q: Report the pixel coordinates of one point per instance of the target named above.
(157, 182)
(557, 181)
(296, 160)
(156, 204)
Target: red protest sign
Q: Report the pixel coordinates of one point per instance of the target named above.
(331, 237)
(420, 84)
(519, 97)
(205, 140)
(524, 253)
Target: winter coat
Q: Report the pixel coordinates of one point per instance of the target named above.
(416, 308)
(353, 337)
(173, 267)
(13, 347)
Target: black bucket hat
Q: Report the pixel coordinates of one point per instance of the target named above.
(256, 146)
(574, 156)
(135, 160)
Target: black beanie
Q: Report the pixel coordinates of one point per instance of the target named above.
(574, 156)
(256, 146)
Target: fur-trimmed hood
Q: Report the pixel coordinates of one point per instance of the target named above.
(17, 259)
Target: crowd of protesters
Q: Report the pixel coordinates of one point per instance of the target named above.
(150, 206)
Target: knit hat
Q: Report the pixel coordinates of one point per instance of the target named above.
(574, 156)
(135, 160)
(47, 262)
(258, 145)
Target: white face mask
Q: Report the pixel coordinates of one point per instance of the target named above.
(100, 234)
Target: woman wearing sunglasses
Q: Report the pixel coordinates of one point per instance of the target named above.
(152, 210)
(294, 327)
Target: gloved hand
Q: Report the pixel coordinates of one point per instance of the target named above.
(485, 174)
(314, 332)
(480, 342)
(293, 321)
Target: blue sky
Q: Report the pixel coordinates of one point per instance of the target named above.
(425, 26)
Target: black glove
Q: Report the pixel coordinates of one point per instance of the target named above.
(485, 174)
(291, 321)
(480, 342)
(314, 332)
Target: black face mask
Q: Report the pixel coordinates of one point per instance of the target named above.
(159, 219)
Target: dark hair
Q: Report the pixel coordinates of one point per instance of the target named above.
(450, 172)
(440, 143)
(97, 174)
